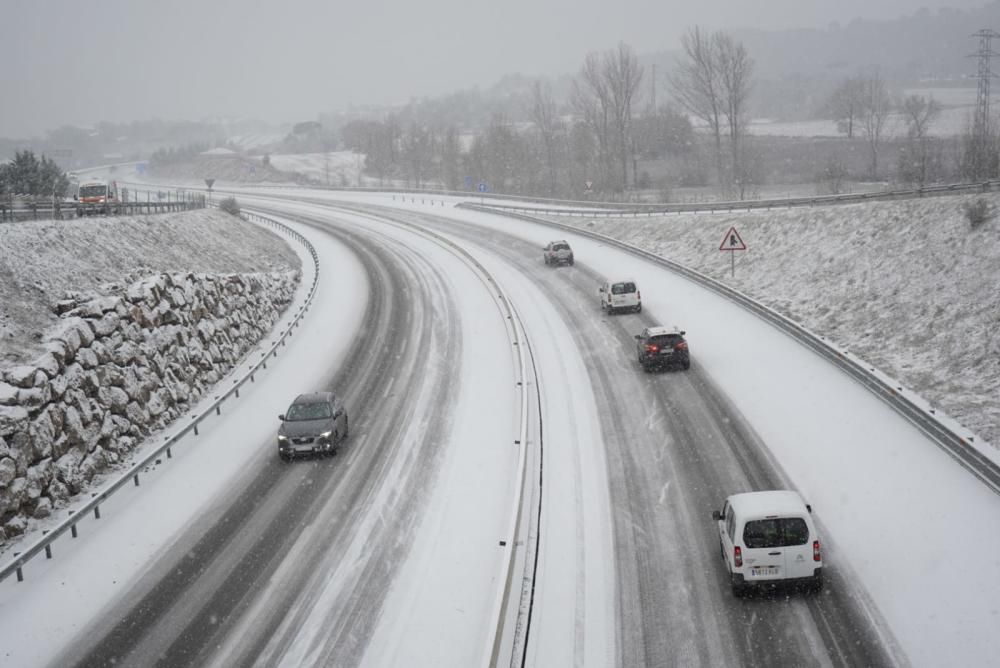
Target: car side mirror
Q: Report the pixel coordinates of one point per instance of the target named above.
(600, 289)
(282, 417)
(716, 515)
(683, 332)
(637, 337)
(809, 508)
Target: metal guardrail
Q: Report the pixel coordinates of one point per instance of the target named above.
(635, 210)
(132, 474)
(46, 209)
(622, 209)
(956, 445)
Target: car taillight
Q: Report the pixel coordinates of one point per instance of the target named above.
(816, 556)
(638, 295)
(738, 556)
(681, 346)
(652, 349)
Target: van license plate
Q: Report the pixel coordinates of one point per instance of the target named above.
(764, 570)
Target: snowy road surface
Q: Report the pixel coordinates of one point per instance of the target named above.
(386, 555)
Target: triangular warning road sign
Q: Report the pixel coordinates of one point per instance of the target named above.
(732, 241)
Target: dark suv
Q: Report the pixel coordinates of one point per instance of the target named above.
(659, 347)
(314, 424)
(558, 252)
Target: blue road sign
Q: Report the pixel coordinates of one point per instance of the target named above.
(482, 187)
(468, 182)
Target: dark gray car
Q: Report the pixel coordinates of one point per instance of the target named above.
(315, 424)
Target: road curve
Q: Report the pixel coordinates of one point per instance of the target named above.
(675, 447)
(232, 589)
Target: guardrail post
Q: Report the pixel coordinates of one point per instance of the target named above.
(135, 479)
(20, 575)
(97, 512)
(72, 530)
(48, 551)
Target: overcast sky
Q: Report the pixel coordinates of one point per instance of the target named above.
(83, 61)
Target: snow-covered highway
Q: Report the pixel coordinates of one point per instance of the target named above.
(388, 554)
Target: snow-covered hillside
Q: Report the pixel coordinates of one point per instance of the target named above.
(40, 261)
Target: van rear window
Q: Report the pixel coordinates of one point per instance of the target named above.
(622, 288)
(777, 532)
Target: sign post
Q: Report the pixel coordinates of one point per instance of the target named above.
(732, 243)
(482, 189)
(209, 183)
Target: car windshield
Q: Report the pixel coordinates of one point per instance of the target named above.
(559, 247)
(665, 340)
(313, 411)
(777, 532)
(622, 288)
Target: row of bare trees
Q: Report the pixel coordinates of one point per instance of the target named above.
(590, 142)
(862, 106)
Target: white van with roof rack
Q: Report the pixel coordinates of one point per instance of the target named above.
(769, 538)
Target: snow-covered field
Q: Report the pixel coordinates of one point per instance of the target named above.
(958, 106)
(336, 168)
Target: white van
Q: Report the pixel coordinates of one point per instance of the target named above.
(620, 296)
(769, 538)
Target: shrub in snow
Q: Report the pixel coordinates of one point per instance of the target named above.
(230, 205)
(977, 212)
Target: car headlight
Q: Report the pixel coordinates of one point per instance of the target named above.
(282, 438)
(326, 435)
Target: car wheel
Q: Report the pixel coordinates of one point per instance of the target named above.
(817, 585)
(571, 262)
(686, 366)
(739, 589)
(284, 457)
(638, 309)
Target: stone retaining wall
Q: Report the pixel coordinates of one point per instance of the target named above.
(117, 368)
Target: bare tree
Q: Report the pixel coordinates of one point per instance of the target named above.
(979, 150)
(916, 161)
(696, 85)
(875, 109)
(543, 112)
(417, 149)
(451, 155)
(846, 104)
(735, 68)
(622, 76)
(831, 179)
(591, 100)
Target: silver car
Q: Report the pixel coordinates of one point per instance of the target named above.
(315, 424)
